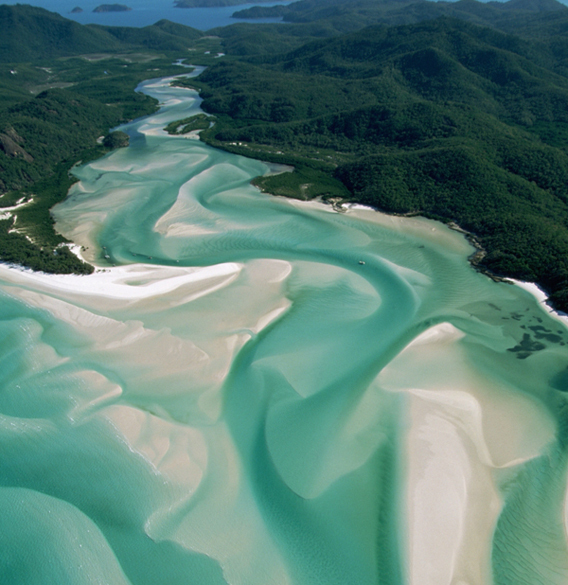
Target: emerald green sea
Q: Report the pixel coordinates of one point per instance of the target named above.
(252, 390)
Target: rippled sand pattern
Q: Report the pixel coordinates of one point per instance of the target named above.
(255, 391)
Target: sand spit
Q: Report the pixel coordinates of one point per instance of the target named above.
(452, 504)
(128, 283)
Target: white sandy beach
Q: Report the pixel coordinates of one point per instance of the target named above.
(128, 283)
(256, 460)
(160, 352)
(541, 297)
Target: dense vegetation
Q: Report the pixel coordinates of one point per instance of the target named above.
(317, 19)
(442, 118)
(208, 3)
(30, 240)
(426, 112)
(30, 34)
(116, 139)
(34, 35)
(112, 8)
(54, 110)
(349, 16)
(197, 122)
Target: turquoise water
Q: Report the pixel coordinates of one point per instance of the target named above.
(252, 390)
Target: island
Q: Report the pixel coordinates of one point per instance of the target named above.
(112, 8)
(187, 125)
(211, 3)
(76, 10)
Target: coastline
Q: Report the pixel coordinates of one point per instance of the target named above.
(341, 205)
(540, 295)
(531, 287)
(461, 427)
(338, 205)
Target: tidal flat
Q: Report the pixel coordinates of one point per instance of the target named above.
(252, 390)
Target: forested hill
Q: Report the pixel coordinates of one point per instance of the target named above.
(33, 34)
(208, 3)
(348, 16)
(315, 19)
(442, 118)
(62, 86)
(439, 116)
(30, 33)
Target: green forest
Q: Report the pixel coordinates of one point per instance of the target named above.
(442, 118)
(412, 107)
(63, 87)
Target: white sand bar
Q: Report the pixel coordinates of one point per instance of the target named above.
(462, 428)
(132, 282)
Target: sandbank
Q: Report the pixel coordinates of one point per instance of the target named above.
(176, 452)
(462, 429)
(452, 502)
(130, 282)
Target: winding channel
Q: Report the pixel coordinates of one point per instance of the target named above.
(252, 390)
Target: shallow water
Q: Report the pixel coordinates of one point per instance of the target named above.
(253, 390)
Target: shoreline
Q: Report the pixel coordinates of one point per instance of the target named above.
(456, 433)
(338, 205)
(540, 295)
(532, 288)
(130, 282)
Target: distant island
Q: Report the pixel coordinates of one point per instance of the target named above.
(213, 3)
(112, 8)
(76, 10)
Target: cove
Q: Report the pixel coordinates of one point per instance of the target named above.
(253, 390)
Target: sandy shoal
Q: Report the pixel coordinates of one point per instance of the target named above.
(462, 428)
(129, 283)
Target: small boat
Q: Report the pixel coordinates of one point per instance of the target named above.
(361, 262)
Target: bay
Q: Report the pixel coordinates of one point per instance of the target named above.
(255, 390)
(148, 12)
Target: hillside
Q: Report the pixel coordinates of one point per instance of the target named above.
(30, 34)
(208, 3)
(343, 17)
(393, 11)
(442, 118)
(161, 36)
(112, 8)
(62, 90)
